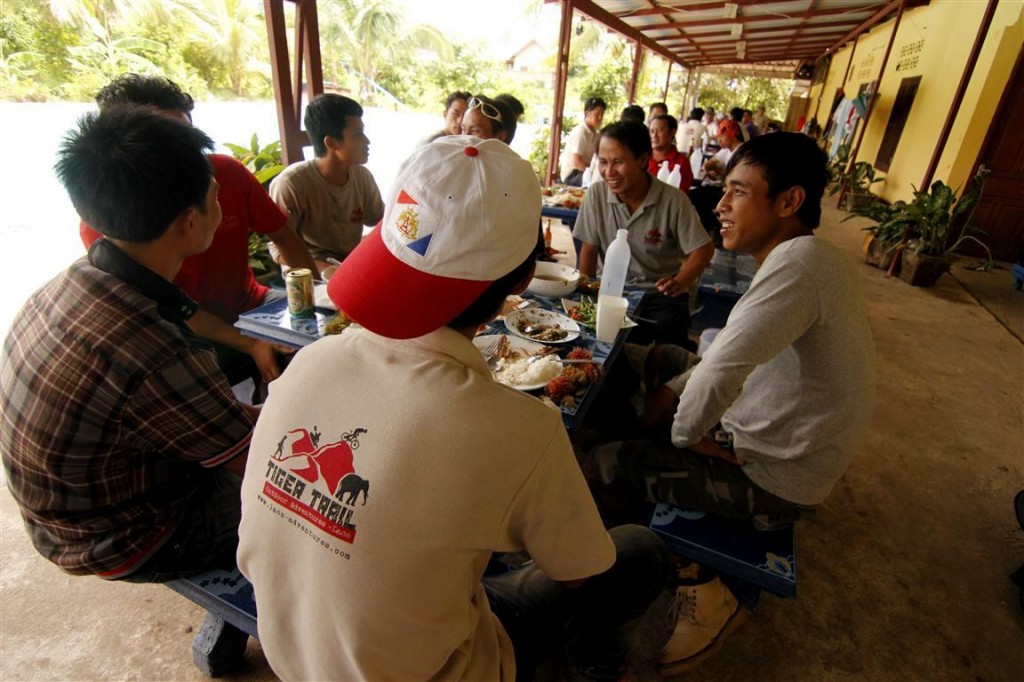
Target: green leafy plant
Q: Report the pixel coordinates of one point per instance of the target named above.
(264, 163)
(858, 180)
(931, 215)
(837, 166)
(925, 225)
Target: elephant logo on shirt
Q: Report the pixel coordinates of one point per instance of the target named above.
(352, 485)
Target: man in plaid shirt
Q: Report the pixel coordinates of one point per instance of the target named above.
(121, 440)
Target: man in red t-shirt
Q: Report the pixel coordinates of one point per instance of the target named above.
(663, 148)
(219, 279)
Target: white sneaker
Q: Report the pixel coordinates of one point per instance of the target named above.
(705, 615)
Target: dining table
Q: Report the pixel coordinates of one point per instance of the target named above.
(272, 322)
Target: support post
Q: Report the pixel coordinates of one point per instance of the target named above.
(635, 74)
(289, 85)
(561, 75)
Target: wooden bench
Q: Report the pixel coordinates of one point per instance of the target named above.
(227, 596)
(763, 558)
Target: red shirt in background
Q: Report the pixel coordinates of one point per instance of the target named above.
(674, 158)
(220, 279)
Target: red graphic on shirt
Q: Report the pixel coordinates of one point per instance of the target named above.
(357, 215)
(318, 482)
(404, 198)
(652, 236)
(330, 462)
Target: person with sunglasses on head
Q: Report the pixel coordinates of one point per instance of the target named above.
(489, 119)
(330, 198)
(582, 143)
(454, 110)
(513, 103)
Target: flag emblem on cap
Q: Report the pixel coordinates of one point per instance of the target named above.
(408, 222)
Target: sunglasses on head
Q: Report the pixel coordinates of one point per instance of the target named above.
(487, 109)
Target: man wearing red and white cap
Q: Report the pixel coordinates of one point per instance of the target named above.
(370, 511)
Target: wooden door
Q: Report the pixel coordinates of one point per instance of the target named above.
(1000, 212)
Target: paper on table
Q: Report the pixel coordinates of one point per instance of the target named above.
(321, 299)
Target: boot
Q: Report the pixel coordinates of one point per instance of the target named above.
(706, 614)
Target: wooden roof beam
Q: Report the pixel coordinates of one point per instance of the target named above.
(619, 26)
(668, 8)
(749, 18)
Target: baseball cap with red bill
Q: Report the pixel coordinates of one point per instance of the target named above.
(463, 212)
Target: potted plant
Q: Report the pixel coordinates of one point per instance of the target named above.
(884, 237)
(928, 243)
(857, 183)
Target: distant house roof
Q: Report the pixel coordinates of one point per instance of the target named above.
(531, 46)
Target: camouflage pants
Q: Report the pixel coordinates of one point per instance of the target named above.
(685, 479)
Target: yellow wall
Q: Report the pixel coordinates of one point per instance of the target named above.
(991, 75)
(933, 42)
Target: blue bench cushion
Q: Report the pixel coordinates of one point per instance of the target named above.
(226, 594)
(765, 558)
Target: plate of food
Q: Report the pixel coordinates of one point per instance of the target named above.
(539, 324)
(518, 363)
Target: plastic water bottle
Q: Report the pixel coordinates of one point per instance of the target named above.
(616, 265)
(663, 172)
(675, 177)
(611, 306)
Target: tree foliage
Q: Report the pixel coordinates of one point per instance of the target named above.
(68, 49)
(724, 92)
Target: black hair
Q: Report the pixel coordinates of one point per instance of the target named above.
(458, 94)
(788, 160)
(489, 303)
(659, 104)
(327, 115)
(512, 103)
(131, 171)
(736, 114)
(696, 114)
(508, 118)
(154, 91)
(633, 112)
(593, 103)
(673, 123)
(631, 134)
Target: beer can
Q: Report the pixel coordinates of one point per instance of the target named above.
(299, 284)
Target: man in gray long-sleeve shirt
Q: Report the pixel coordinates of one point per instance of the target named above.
(769, 420)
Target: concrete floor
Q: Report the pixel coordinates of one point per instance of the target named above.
(903, 572)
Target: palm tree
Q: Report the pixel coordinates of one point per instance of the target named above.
(360, 34)
(106, 55)
(232, 34)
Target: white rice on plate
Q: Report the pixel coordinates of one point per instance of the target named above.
(520, 372)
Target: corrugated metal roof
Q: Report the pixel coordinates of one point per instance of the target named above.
(699, 33)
